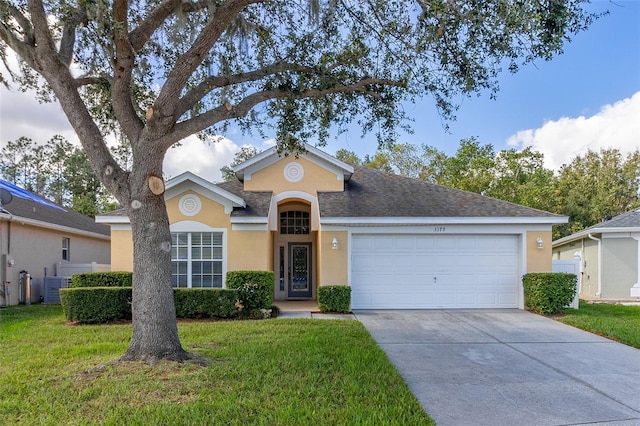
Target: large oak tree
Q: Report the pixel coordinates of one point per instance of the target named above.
(159, 71)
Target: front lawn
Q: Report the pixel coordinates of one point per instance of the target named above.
(616, 322)
(260, 372)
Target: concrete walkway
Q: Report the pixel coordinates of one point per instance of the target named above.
(508, 367)
(306, 309)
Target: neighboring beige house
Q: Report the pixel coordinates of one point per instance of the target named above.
(610, 254)
(315, 221)
(39, 236)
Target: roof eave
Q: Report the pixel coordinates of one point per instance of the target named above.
(551, 220)
(53, 226)
(601, 230)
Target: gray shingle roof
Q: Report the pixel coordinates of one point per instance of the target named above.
(29, 209)
(257, 202)
(372, 193)
(630, 219)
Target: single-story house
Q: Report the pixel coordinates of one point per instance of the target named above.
(610, 255)
(39, 236)
(314, 220)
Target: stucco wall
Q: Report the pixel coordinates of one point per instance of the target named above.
(122, 253)
(538, 260)
(589, 248)
(211, 213)
(250, 250)
(272, 178)
(619, 267)
(35, 249)
(333, 263)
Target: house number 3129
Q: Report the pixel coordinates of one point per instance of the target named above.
(439, 229)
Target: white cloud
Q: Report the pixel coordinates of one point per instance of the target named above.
(204, 159)
(615, 126)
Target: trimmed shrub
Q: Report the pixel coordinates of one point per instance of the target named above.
(205, 302)
(334, 298)
(96, 304)
(549, 292)
(255, 288)
(101, 279)
(93, 305)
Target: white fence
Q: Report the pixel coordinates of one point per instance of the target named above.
(570, 267)
(65, 269)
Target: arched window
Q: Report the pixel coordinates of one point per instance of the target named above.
(294, 222)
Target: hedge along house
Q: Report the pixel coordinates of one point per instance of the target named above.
(315, 220)
(42, 238)
(610, 255)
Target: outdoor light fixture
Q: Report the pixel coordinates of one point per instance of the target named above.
(540, 243)
(334, 244)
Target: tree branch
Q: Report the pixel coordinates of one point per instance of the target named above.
(190, 60)
(143, 32)
(210, 83)
(43, 40)
(226, 111)
(122, 100)
(22, 21)
(68, 40)
(87, 81)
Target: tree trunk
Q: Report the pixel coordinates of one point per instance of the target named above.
(155, 331)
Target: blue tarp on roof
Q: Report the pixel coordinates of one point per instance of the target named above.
(16, 191)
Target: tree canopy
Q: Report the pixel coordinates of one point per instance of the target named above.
(158, 71)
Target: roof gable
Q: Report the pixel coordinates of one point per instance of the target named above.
(270, 156)
(189, 181)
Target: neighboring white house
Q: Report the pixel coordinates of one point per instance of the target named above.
(40, 237)
(610, 254)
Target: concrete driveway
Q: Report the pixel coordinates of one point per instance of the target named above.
(508, 367)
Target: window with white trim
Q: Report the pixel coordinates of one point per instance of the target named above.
(196, 259)
(66, 249)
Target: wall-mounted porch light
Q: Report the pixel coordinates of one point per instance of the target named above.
(540, 243)
(334, 244)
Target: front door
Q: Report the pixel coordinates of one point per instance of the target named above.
(299, 273)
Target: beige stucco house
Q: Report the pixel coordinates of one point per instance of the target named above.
(315, 221)
(39, 237)
(610, 256)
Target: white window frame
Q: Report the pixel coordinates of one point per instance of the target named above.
(66, 249)
(190, 227)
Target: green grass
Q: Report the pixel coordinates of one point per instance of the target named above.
(287, 372)
(616, 322)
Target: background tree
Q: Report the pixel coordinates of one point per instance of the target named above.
(597, 185)
(160, 71)
(245, 153)
(59, 152)
(520, 177)
(471, 169)
(57, 171)
(15, 162)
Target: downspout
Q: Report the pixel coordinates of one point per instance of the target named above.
(599, 293)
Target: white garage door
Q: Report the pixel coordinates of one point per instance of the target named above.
(409, 271)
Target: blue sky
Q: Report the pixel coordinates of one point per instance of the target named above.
(587, 98)
(599, 67)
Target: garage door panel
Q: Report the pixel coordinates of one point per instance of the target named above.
(442, 271)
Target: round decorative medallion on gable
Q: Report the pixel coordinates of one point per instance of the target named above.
(293, 172)
(190, 205)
